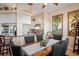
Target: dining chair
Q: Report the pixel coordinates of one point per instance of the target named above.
(57, 37)
(16, 50)
(39, 37)
(65, 46)
(29, 39)
(59, 49)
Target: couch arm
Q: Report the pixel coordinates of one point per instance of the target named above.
(16, 50)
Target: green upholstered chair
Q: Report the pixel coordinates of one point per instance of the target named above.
(16, 50)
(57, 49)
(65, 46)
(60, 48)
(57, 37)
(29, 39)
(39, 37)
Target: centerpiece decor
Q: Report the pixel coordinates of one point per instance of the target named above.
(43, 43)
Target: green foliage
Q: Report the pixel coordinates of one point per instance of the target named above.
(57, 19)
(43, 43)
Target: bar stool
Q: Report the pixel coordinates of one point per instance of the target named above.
(5, 47)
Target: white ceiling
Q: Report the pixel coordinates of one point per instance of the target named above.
(37, 7)
(51, 7)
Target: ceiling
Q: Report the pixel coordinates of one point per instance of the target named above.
(37, 7)
(51, 7)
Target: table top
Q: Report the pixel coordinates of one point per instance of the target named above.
(31, 49)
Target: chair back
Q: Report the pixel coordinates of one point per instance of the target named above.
(16, 50)
(57, 37)
(2, 39)
(57, 49)
(65, 46)
(39, 37)
(60, 48)
(29, 39)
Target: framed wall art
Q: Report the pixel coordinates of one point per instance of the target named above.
(57, 24)
(73, 17)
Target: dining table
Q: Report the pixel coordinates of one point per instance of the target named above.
(32, 49)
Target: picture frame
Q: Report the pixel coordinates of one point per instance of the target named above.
(57, 24)
(72, 18)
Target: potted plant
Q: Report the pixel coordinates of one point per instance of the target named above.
(43, 43)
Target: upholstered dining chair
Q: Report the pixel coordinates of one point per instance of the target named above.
(57, 37)
(65, 46)
(29, 39)
(39, 37)
(60, 48)
(16, 50)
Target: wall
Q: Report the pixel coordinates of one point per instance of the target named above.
(47, 23)
(23, 17)
(64, 11)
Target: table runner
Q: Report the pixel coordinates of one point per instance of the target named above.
(31, 49)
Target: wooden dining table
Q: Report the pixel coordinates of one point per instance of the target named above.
(38, 50)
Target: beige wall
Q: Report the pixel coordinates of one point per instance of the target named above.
(64, 11)
(47, 23)
(22, 18)
(39, 19)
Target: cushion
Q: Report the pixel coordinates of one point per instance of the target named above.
(49, 35)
